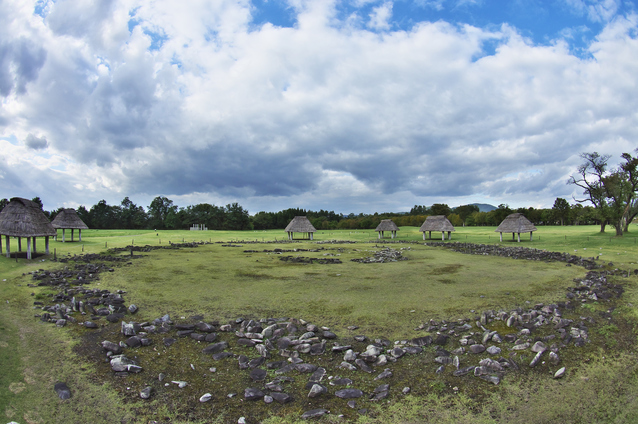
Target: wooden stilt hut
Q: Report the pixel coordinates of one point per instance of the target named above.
(24, 218)
(387, 225)
(68, 218)
(300, 224)
(516, 223)
(437, 223)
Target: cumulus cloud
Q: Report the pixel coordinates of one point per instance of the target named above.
(327, 112)
(595, 10)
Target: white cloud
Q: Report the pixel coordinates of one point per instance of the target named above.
(325, 113)
(380, 16)
(595, 10)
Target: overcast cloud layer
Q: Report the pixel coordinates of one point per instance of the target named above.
(352, 109)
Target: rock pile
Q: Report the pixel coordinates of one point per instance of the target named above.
(383, 256)
(519, 253)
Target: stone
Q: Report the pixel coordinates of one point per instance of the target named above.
(314, 413)
(169, 341)
(350, 355)
(282, 398)
(215, 348)
(258, 374)
(146, 392)
(397, 352)
(210, 337)
(477, 348)
(536, 359)
(90, 324)
(385, 374)
(111, 347)
(538, 347)
(221, 355)
(349, 393)
(132, 308)
(362, 365)
(318, 375)
(206, 397)
(405, 390)
(306, 368)
(559, 373)
(347, 366)
(317, 390)
(204, 327)
(463, 371)
(134, 341)
(493, 350)
(62, 390)
(252, 393)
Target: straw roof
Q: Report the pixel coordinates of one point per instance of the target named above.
(24, 218)
(300, 224)
(516, 223)
(68, 218)
(437, 223)
(387, 225)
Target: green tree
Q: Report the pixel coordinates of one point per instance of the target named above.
(465, 211)
(589, 176)
(159, 210)
(561, 210)
(440, 209)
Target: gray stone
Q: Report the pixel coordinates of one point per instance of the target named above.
(559, 373)
(62, 390)
(258, 374)
(477, 348)
(349, 393)
(253, 394)
(317, 390)
(348, 366)
(385, 374)
(146, 392)
(314, 413)
(215, 348)
(341, 382)
(493, 350)
(306, 368)
(282, 398)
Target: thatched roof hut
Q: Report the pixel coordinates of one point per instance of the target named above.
(24, 218)
(300, 224)
(387, 225)
(516, 223)
(437, 223)
(68, 218)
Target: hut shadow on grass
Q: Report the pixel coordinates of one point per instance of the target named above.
(23, 255)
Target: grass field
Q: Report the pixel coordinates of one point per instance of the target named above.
(385, 300)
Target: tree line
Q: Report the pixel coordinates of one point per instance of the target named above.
(609, 197)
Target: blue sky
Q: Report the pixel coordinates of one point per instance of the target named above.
(352, 106)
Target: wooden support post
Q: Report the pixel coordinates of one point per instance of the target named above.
(423, 235)
(449, 235)
(429, 234)
(79, 234)
(19, 244)
(8, 246)
(63, 235)
(71, 234)
(443, 235)
(46, 244)
(519, 237)
(501, 237)
(0, 244)
(311, 236)
(531, 235)
(28, 247)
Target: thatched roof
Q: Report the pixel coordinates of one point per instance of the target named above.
(437, 223)
(24, 218)
(387, 225)
(516, 223)
(300, 224)
(68, 218)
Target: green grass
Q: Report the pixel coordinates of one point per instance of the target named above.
(385, 300)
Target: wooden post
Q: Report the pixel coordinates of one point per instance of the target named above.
(429, 235)
(20, 244)
(531, 236)
(80, 234)
(443, 235)
(63, 240)
(311, 236)
(501, 237)
(423, 235)
(449, 235)
(28, 247)
(8, 246)
(71, 234)
(46, 244)
(0, 244)
(519, 237)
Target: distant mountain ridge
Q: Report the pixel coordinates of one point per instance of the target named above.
(484, 207)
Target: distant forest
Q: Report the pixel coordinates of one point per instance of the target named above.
(163, 214)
